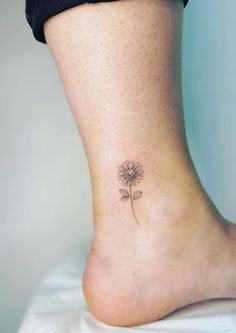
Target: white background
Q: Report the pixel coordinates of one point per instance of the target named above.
(45, 206)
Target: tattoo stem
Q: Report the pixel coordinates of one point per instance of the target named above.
(132, 205)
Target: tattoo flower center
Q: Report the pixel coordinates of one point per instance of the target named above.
(129, 174)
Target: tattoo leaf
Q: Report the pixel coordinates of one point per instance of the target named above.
(137, 195)
(125, 193)
(124, 198)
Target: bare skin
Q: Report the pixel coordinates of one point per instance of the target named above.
(120, 65)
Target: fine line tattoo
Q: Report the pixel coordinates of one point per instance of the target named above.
(130, 173)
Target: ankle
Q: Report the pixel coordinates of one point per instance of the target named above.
(175, 204)
(173, 196)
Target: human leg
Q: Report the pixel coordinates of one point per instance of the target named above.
(120, 64)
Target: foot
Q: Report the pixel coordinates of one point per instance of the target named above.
(181, 251)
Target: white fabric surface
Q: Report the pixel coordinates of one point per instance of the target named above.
(59, 307)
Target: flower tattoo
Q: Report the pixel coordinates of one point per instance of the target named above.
(129, 174)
